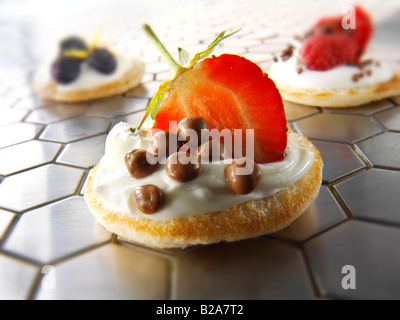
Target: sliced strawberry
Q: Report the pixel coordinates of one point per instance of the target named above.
(230, 92)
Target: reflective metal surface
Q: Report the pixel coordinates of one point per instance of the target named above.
(26, 155)
(369, 248)
(52, 248)
(373, 195)
(55, 231)
(110, 272)
(323, 214)
(339, 160)
(390, 118)
(238, 271)
(382, 150)
(337, 127)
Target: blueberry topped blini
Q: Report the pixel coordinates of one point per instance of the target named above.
(83, 72)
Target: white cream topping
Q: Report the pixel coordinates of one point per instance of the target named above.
(285, 73)
(208, 192)
(89, 78)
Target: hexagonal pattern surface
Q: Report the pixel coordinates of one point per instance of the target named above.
(373, 194)
(8, 116)
(83, 153)
(207, 273)
(16, 278)
(390, 118)
(26, 155)
(365, 247)
(337, 127)
(296, 111)
(55, 231)
(367, 109)
(136, 275)
(6, 217)
(52, 248)
(339, 160)
(382, 150)
(18, 132)
(28, 189)
(324, 213)
(117, 106)
(28, 100)
(56, 112)
(74, 129)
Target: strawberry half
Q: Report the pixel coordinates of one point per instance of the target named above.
(229, 91)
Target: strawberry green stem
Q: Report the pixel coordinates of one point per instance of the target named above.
(161, 48)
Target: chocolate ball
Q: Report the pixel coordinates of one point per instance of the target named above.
(148, 198)
(211, 151)
(165, 143)
(140, 163)
(182, 167)
(190, 130)
(243, 175)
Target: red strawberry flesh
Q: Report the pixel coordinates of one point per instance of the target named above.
(230, 92)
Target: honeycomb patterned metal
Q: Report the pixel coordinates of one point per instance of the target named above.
(47, 149)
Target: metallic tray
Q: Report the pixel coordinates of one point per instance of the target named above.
(52, 248)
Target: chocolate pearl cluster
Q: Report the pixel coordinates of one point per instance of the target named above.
(184, 154)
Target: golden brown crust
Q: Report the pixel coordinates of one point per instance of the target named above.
(342, 98)
(246, 220)
(130, 79)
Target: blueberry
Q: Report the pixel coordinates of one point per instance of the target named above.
(73, 43)
(65, 70)
(102, 60)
